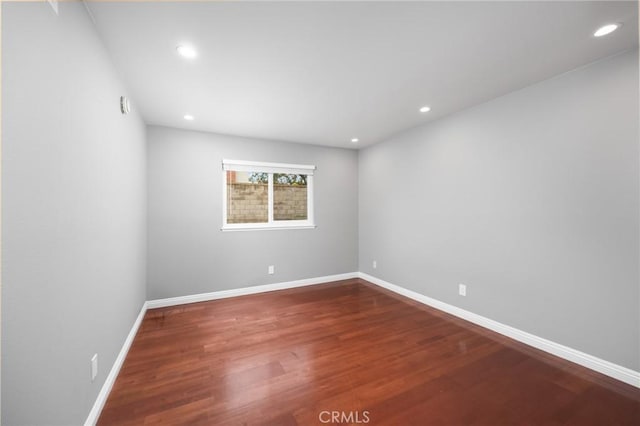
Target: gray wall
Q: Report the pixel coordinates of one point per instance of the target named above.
(73, 214)
(531, 200)
(188, 254)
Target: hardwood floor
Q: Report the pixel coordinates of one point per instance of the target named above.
(294, 357)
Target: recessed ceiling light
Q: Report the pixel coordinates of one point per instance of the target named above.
(189, 117)
(425, 109)
(187, 51)
(606, 29)
(355, 140)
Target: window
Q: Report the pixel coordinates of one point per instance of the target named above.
(267, 195)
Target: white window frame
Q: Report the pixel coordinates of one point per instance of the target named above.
(270, 169)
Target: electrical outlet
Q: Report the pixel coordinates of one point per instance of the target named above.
(375, 264)
(94, 367)
(54, 5)
(272, 270)
(462, 289)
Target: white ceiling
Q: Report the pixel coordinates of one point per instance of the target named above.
(324, 72)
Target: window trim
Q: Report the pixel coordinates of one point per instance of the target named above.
(270, 169)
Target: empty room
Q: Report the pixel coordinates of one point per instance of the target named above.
(320, 213)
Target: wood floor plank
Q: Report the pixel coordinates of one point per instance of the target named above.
(292, 357)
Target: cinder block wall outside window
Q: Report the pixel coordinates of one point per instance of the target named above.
(247, 202)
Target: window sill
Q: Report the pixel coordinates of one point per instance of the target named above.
(253, 227)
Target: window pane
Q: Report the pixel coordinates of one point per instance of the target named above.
(289, 197)
(247, 197)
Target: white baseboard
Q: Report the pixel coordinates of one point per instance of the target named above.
(94, 414)
(203, 297)
(610, 369)
(605, 367)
